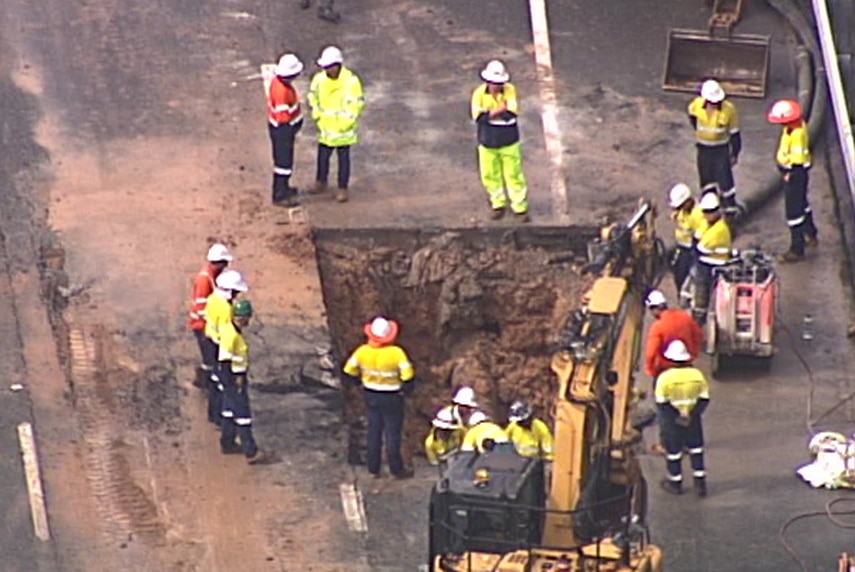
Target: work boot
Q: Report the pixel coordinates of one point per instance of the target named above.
(657, 449)
(671, 487)
(522, 217)
(405, 474)
(497, 214)
(341, 195)
(812, 240)
(329, 15)
(790, 257)
(320, 187)
(700, 486)
(261, 457)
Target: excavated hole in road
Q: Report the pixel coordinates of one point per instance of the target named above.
(481, 307)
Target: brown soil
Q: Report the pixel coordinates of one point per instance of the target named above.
(476, 307)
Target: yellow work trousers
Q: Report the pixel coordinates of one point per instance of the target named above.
(501, 169)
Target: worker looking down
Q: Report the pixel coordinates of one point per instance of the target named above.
(234, 371)
(285, 119)
(669, 324)
(203, 286)
(483, 435)
(531, 436)
(386, 374)
(463, 405)
(716, 124)
(714, 248)
(682, 395)
(495, 109)
(444, 438)
(218, 314)
(688, 218)
(793, 159)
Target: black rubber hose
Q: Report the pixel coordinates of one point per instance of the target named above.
(812, 90)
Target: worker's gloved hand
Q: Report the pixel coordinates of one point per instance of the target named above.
(408, 388)
(683, 420)
(352, 379)
(241, 382)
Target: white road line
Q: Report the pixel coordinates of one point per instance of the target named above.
(354, 509)
(34, 481)
(549, 107)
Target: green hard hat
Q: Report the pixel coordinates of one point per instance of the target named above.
(243, 308)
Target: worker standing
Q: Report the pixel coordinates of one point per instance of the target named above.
(386, 374)
(682, 395)
(530, 435)
(285, 119)
(495, 109)
(326, 10)
(483, 434)
(718, 141)
(203, 286)
(463, 405)
(233, 357)
(444, 438)
(793, 160)
(713, 249)
(669, 324)
(337, 101)
(218, 314)
(688, 218)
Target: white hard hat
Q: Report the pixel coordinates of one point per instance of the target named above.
(711, 91)
(465, 396)
(330, 56)
(677, 351)
(219, 253)
(679, 194)
(444, 419)
(289, 65)
(381, 327)
(710, 202)
(495, 72)
(478, 417)
(656, 299)
(232, 280)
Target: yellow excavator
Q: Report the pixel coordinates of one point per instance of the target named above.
(491, 512)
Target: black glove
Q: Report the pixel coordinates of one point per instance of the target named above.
(407, 388)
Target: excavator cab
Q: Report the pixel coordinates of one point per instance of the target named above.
(739, 62)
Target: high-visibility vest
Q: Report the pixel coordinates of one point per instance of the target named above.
(203, 286)
(715, 246)
(714, 127)
(283, 103)
(686, 224)
(500, 130)
(218, 313)
(233, 348)
(535, 441)
(682, 387)
(336, 106)
(438, 449)
(794, 148)
(477, 435)
(384, 368)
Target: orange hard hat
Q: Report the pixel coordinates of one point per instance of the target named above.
(784, 111)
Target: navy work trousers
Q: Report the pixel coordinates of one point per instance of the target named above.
(324, 156)
(237, 417)
(385, 421)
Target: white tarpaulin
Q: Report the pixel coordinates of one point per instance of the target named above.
(833, 466)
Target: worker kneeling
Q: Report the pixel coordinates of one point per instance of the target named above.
(713, 249)
(483, 435)
(444, 439)
(530, 436)
(682, 395)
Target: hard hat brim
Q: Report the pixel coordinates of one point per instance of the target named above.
(387, 339)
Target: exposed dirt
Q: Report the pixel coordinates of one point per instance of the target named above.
(476, 307)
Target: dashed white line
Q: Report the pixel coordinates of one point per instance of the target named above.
(34, 481)
(549, 107)
(354, 509)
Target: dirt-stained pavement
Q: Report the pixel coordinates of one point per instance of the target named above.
(154, 143)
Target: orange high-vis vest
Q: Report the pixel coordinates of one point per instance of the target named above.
(283, 103)
(203, 286)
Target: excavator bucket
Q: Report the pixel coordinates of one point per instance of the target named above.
(739, 62)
